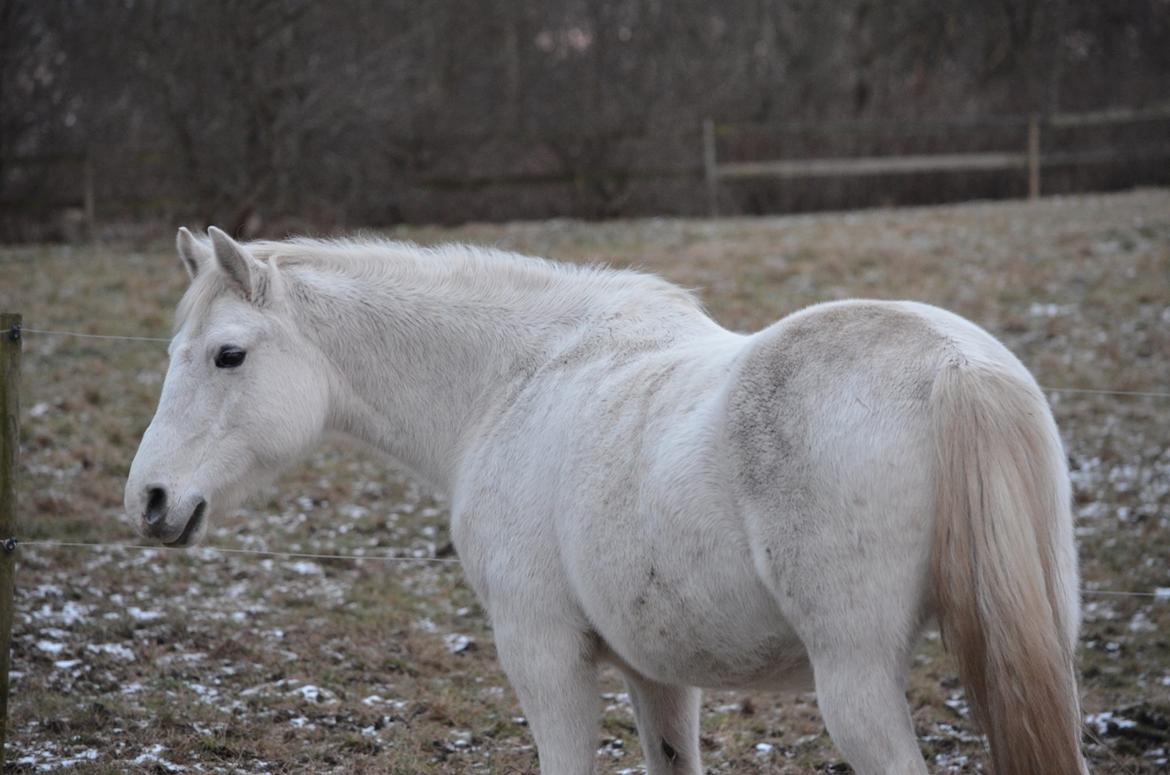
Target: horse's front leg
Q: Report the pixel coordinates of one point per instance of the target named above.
(551, 665)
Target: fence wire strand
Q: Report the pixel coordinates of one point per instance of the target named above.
(1102, 392)
(1158, 595)
(79, 335)
(232, 550)
(1087, 391)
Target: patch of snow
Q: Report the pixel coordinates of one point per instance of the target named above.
(152, 756)
(457, 644)
(1141, 623)
(1049, 310)
(353, 511)
(69, 614)
(311, 693)
(116, 650)
(138, 615)
(1102, 721)
(953, 763)
(50, 647)
(958, 704)
(763, 749)
(49, 760)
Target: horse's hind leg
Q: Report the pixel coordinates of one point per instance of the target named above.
(668, 725)
(854, 592)
(863, 703)
(859, 620)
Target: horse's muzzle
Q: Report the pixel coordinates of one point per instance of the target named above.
(156, 525)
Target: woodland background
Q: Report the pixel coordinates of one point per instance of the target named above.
(275, 115)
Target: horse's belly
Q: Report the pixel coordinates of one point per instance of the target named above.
(771, 662)
(694, 627)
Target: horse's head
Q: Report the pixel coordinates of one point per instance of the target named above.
(245, 394)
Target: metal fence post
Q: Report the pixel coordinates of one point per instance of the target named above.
(9, 450)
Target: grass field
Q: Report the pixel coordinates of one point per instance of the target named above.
(164, 661)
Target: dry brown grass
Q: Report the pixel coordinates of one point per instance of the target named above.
(128, 661)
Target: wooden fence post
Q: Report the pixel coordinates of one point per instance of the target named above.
(710, 174)
(9, 450)
(1033, 157)
(88, 198)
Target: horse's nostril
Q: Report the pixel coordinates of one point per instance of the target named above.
(156, 505)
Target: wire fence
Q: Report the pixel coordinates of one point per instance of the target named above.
(23, 330)
(1161, 593)
(1049, 388)
(404, 556)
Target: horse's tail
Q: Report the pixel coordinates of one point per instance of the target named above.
(1005, 565)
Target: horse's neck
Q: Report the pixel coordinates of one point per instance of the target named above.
(417, 370)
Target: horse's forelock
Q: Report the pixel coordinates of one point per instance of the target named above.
(204, 289)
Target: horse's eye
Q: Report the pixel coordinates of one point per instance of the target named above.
(229, 357)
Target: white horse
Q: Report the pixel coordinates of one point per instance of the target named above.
(632, 483)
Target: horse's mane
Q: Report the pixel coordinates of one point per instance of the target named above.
(468, 270)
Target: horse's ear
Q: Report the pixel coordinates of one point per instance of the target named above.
(248, 274)
(193, 252)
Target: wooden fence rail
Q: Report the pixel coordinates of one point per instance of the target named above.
(1030, 159)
